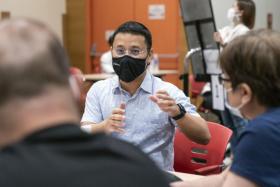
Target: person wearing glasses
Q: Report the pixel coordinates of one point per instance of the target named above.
(136, 106)
(251, 80)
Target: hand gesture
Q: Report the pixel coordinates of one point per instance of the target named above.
(165, 103)
(115, 122)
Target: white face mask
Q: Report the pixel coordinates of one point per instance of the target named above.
(232, 16)
(233, 110)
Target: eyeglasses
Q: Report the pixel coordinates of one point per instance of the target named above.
(135, 52)
(222, 79)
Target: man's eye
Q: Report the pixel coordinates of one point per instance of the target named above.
(120, 51)
(135, 51)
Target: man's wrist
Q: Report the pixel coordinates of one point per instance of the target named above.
(91, 127)
(175, 112)
(181, 112)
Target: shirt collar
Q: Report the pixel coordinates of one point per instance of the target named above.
(116, 87)
(147, 84)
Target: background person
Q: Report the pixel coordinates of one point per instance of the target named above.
(242, 19)
(106, 59)
(251, 79)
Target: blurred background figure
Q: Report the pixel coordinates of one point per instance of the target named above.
(154, 66)
(241, 17)
(106, 59)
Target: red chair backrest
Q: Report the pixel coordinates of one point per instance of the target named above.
(190, 156)
(195, 87)
(78, 74)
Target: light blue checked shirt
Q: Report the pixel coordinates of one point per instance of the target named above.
(146, 125)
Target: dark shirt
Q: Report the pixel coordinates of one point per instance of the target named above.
(257, 153)
(65, 156)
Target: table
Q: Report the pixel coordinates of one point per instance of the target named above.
(186, 176)
(160, 73)
(101, 76)
(97, 76)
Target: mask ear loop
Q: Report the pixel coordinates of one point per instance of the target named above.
(147, 64)
(233, 110)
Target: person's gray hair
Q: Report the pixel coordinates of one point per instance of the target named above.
(31, 58)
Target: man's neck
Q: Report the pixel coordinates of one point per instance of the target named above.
(131, 87)
(36, 114)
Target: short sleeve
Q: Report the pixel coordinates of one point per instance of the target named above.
(181, 98)
(92, 112)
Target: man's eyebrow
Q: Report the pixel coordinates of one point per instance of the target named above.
(135, 46)
(119, 45)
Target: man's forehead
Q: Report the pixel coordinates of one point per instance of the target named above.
(128, 39)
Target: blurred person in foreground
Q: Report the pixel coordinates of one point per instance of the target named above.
(41, 143)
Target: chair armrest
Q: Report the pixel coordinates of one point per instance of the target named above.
(214, 169)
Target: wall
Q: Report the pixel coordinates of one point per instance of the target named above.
(48, 11)
(75, 32)
(220, 8)
(164, 27)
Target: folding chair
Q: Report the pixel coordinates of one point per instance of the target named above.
(207, 159)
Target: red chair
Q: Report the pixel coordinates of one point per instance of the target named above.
(194, 86)
(190, 157)
(194, 92)
(79, 77)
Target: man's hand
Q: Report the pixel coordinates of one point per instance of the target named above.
(115, 122)
(165, 103)
(194, 127)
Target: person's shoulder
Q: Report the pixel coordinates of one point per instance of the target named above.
(225, 29)
(242, 29)
(119, 147)
(171, 89)
(11, 158)
(107, 53)
(126, 157)
(265, 127)
(104, 84)
(107, 56)
(158, 82)
(104, 157)
(267, 120)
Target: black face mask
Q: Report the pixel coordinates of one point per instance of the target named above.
(129, 68)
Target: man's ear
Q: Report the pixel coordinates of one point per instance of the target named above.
(75, 86)
(150, 56)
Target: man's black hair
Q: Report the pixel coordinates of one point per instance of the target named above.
(136, 28)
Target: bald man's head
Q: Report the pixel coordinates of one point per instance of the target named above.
(31, 59)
